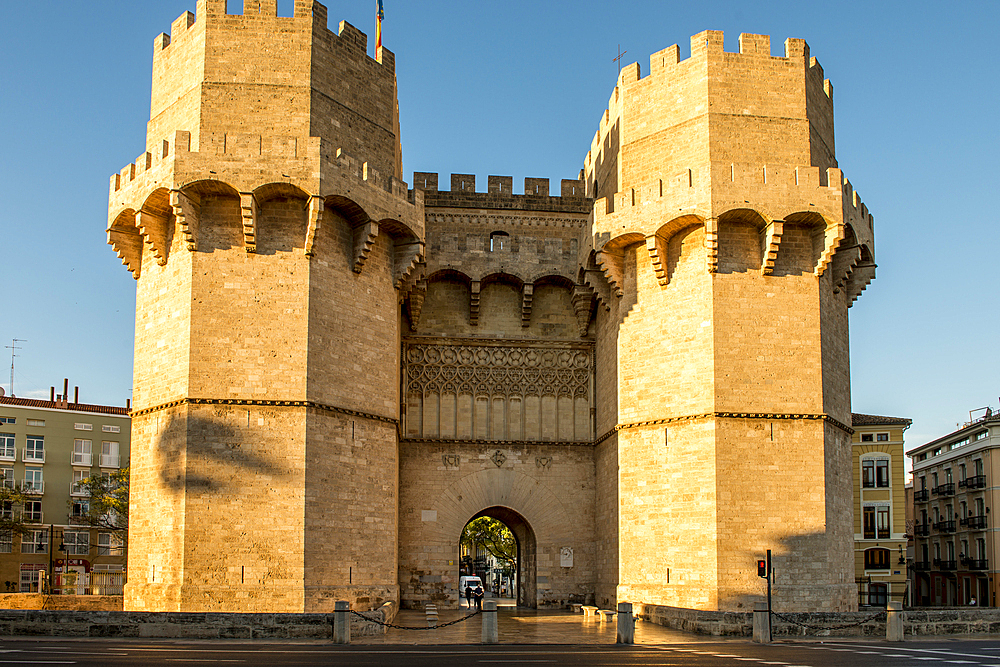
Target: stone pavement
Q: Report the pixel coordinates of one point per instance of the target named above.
(524, 626)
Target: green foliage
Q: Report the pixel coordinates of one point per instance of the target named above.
(11, 509)
(108, 507)
(492, 535)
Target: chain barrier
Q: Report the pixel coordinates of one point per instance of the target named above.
(407, 627)
(877, 615)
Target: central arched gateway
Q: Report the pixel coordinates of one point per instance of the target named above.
(526, 567)
(544, 494)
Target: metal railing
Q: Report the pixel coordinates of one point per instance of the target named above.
(947, 526)
(946, 489)
(921, 496)
(31, 486)
(945, 564)
(921, 565)
(976, 482)
(110, 460)
(976, 563)
(975, 522)
(32, 455)
(921, 529)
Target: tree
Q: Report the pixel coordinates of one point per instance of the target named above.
(107, 507)
(492, 535)
(12, 517)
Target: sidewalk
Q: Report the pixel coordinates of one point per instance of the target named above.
(524, 626)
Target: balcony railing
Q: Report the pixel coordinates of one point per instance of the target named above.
(30, 486)
(33, 517)
(110, 460)
(77, 489)
(921, 529)
(976, 482)
(921, 496)
(945, 564)
(946, 489)
(33, 456)
(945, 526)
(975, 522)
(977, 564)
(83, 459)
(8, 454)
(921, 565)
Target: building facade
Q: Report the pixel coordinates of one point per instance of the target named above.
(955, 482)
(47, 448)
(880, 535)
(633, 374)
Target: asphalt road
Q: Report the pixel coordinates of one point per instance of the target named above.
(126, 653)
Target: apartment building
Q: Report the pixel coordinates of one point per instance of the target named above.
(47, 448)
(955, 541)
(879, 509)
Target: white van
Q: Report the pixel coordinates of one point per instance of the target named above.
(470, 580)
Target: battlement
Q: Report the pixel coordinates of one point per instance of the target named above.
(499, 193)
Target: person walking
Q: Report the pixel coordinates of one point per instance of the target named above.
(468, 596)
(479, 597)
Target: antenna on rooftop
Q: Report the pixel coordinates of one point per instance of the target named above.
(13, 347)
(618, 60)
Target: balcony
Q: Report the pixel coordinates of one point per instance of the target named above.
(33, 456)
(977, 564)
(921, 566)
(946, 489)
(945, 526)
(921, 496)
(945, 564)
(83, 459)
(33, 487)
(110, 460)
(921, 529)
(34, 517)
(78, 490)
(975, 522)
(8, 454)
(976, 482)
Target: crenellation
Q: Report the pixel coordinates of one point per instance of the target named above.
(500, 185)
(353, 36)
(751, 44)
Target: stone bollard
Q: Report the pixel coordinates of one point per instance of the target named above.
(341, 622)
(626, 623)
(491, 634)
(761, 623)
(894, 622)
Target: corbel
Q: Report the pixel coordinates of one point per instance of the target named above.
(656, 245)
(314, 208)
(417, 296)
(598, 283)
(153, 229)
(712, 243)
(186, 209)
(583, 305)
(364, 240)
(248, 211)
(127, 244)
(832, 237)
(772, 239)
(474, 292)
(613, 266)
(406, 257)
(527, 294)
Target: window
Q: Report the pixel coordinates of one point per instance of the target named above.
(109, 544)
(83, 452)
(8, 420)
(109, 454)
(35, 422)
(868, 474)
(951, 551)
(921, 457)
(867, 437)
(877, 559)
(35, 542)
(980, 507)
(934, 479)
(923, 483)
(878, 595)
(982, 435)
(961, 472)
(83, 427)
(950, 513)
(30, 575)
(33, 511)
(6, 542)
(34, 449)
(978, 464)
(499, 241)
(882, 437)
(960, 443)
(107, 428)
(79, 509)
(937, 450)
(33, 480)
(7, 450)
(77, 543)
(963, 510)
(937, 551)
(981, 548)
(869, 523)
(883, 521)
(947, 475)
(882, 473)
(7, 478)
(78, 489)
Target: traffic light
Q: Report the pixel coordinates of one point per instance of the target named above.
(762, 568)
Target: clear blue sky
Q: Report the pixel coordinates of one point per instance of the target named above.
(517, 88)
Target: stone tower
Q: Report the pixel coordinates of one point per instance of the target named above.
(727, 249)
(269, 232)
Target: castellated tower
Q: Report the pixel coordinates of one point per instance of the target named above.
(269, 233)
(727, 249)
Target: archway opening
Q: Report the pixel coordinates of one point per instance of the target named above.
(498, 546)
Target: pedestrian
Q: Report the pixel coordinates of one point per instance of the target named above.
(479, 597)
(468, 596)
(972, 602)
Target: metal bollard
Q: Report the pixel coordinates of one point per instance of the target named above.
(490, 632)
(341, 622)
(761, 623)
(894, 622)
(626, 623)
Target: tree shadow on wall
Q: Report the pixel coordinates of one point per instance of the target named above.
(207, 455)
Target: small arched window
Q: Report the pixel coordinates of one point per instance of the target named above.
(877, 559)
(499, 241)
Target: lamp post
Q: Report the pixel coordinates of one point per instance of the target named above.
(62, 547)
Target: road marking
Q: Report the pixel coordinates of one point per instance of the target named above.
(775, 663)
(39, 662)
(505, 661)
